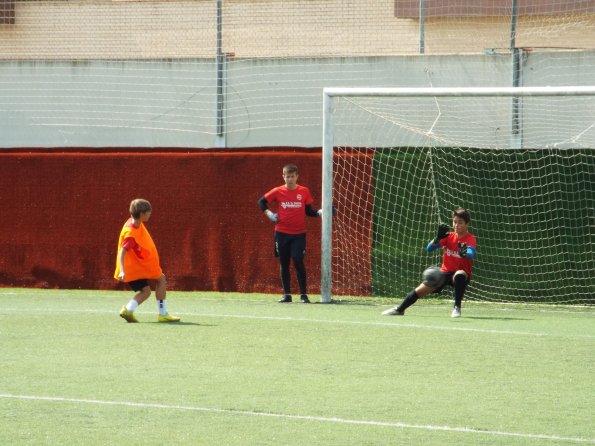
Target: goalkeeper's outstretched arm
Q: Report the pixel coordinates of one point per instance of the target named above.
(311, 212)
(318, 213)
(442, 232)
(433, 246)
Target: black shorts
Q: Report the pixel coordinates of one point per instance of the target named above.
(447, 280)
(290, 245)
(139, 284)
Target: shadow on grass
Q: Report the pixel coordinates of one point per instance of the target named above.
(181, 323)
(498, 318)
(361, 303)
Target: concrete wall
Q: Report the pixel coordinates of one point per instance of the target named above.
(269, 102)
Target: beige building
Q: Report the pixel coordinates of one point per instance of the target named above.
(150, 29)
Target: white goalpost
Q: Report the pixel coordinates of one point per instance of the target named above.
(396, 161)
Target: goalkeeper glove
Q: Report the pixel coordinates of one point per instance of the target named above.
(462, 249)
(272, 215)
(442, 232)
(333, 208)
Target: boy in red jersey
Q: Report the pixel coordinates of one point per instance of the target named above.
(293, 202)
(459, 250)
(137, 263)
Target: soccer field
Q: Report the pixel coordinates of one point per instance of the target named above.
(241, 369)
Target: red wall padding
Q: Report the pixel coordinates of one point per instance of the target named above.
(61, 214)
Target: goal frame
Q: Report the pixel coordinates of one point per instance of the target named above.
(328, 142)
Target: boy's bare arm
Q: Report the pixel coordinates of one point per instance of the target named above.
(121, 255)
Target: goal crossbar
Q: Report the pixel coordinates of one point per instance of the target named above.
(327, 145)
(460, 91)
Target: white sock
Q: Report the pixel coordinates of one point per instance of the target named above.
(131, 306)
(161, 307)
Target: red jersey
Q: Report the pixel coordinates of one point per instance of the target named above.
(291, 208)
(451, 260)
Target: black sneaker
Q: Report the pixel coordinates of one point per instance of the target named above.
(305, 299)
(286, 298)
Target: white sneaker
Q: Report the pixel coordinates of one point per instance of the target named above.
(393, 312)
(456, 312)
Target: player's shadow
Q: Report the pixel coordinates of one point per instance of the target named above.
(347, 302)
(182, 323)
(499, 318)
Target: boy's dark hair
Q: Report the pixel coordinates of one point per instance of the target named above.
(138, 206)
(462, 213)
(290, 168)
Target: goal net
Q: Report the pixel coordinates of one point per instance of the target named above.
(397, 162)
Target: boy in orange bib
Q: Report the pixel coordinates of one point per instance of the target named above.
(137, 263)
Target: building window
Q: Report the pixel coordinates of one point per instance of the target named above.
(6, 12)
(483, 8)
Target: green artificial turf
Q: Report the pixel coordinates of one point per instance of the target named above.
(241, 369)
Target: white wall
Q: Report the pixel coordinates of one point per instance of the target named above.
(270, 102)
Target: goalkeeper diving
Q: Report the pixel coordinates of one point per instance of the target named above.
(459, 248)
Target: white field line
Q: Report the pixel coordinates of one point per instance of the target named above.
(496, 306)
(394, 325)
(301, 417)
(310, 320)
(504, 306)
